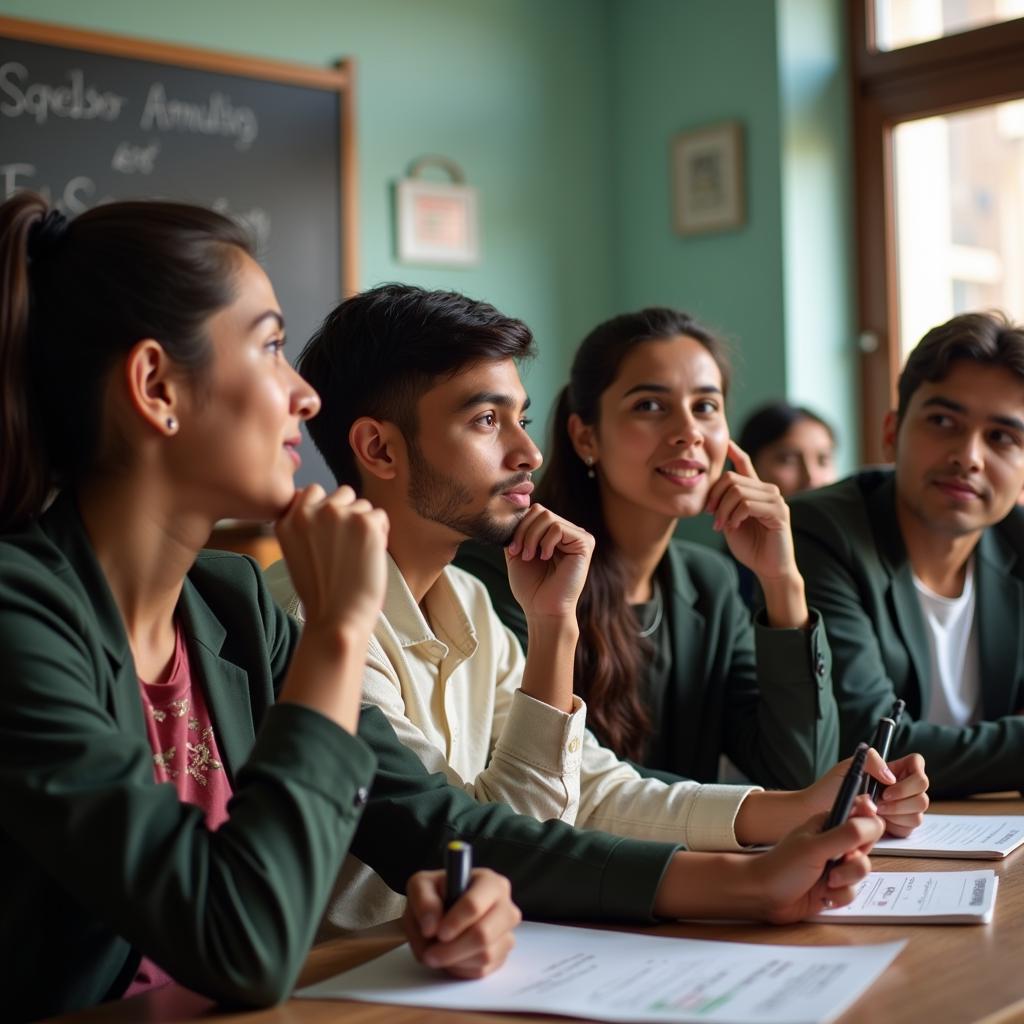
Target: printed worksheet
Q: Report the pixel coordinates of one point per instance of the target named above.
(939, 897)
(981, 837)
(622, 976)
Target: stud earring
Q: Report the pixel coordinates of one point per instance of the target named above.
(590, 466)
(172, 424)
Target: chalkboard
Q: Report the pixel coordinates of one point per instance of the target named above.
(87, 117)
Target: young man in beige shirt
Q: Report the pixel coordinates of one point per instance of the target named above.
(424, 413)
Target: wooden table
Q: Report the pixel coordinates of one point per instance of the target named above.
(946, 975)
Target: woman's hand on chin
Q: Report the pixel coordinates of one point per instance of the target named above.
(335, 547)
(754, 519)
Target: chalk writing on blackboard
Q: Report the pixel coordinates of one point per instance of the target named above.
(76, 100)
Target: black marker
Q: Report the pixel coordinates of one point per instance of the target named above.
(458, 863)
(845, 797)
(882, 741)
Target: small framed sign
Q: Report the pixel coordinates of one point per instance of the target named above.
(437, 222)
(707, 179)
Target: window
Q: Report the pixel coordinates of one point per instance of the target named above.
(900, 23)
(940, 175)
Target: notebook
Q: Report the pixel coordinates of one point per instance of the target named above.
(975, 837)
(919, 897)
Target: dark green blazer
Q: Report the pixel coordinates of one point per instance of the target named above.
(851, 553)
(762, 696)
(102, 865)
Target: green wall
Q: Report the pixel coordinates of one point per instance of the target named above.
(822, 362)
(678, 66)
(561, 112)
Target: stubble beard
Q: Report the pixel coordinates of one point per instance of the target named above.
(440, 498)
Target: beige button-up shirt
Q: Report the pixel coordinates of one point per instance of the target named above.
(447, 675)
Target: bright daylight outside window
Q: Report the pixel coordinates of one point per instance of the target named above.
(905, 22)
(959, 216)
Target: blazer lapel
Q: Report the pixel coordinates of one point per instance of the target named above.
(226, 684)
(908, 616)
(688, 628)
(998, 616)
(902, 596)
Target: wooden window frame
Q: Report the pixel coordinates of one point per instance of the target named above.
(957, 72)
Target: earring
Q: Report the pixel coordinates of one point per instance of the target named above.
(590, 466)
(172, 425)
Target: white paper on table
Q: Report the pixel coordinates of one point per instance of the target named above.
(980, 837)
(623, 976)
(919, 897)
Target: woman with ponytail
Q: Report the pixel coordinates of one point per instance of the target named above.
(180, 771)
(673, 672)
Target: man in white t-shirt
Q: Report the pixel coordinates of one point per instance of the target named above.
(918, 570)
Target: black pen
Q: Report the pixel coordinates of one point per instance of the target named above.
(845, 797)
(458, 863)
(882, 741)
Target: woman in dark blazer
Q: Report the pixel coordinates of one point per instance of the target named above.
(180, 771)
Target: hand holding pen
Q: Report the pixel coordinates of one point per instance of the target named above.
(881, 741)
(898, 788)
(815, 867)
(843, 803)
(473, 935)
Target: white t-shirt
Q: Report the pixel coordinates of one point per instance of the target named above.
(953, 650)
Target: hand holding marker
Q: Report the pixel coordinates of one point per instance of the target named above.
(882, 741)
(845, 797)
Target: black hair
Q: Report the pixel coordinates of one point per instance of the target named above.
(987, 338)
(768, 423)
(376, 353)
(76, 295)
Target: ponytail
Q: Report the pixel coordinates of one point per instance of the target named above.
(24, 471)
(75, 298)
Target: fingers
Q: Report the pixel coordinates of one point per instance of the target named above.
(743, 469)
(335, 549)
(877, 768)
(902, 826)
(488, 898)
(474, 936)
(912, 802)
(861, 830)
(848, 873)
(742, 461)
(903, 803)
(840, 887)
(425, 902)
(910, 777)
(309, 502)
(735, 498)
(541, 533)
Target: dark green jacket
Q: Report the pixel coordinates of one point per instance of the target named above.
(851, 553)
(762, 696)
(101, 865)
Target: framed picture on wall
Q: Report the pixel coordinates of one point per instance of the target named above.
(708, 179)
(437, 223)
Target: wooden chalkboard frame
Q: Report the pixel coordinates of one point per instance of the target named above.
(340, 79)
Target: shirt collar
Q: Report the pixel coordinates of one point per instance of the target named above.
(444, 606)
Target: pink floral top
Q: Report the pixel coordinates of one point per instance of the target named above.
(185, 754)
